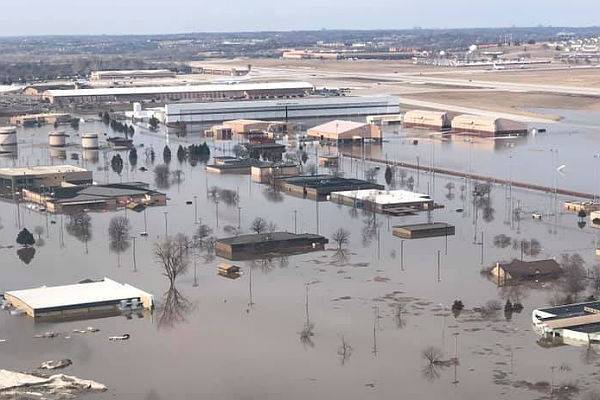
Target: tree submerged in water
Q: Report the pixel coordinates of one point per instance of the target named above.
(25, 238)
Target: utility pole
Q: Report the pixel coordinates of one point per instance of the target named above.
(295, 221)
(196, 210)
(239, 218)
(134, 261)
(166, 225)
(402, 254)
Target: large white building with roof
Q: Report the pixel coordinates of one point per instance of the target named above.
(307, 107)
(209, 92)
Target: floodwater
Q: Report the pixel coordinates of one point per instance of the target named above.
(371, 311)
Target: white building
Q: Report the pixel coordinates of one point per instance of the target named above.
(385, 201)
(309, 107)
(572, 323)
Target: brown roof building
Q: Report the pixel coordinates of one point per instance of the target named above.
(518, 270)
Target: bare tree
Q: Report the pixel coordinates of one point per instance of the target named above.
(161, 176)
(39, 231)
(344, 351)
(432, 355)
(202, 232)
(341, 237)
(574, 278)
(118, 232)
(172, 258)
(259, 225)
(174, 308)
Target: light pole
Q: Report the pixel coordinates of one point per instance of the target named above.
(239, 218)
(217, 211)
(166, 224)
(295, 221)
(196, 210)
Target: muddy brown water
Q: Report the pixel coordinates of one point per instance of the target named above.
(241, 339)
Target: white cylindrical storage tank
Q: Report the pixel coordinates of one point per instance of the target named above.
(89, 141)
(57, 139)
(137, 108)
(8, 136)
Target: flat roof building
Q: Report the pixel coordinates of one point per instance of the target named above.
(576, 323)
(38, 119)
(212, 92)
(318, 187)
(246, 126)
(103, 197)
(245, 247)
(483, 125)
(43, 176)
(426, 119)
(395, 202)
(131, 74)
(345, 131)
(282, 110)
(426, 230)
(78, 298)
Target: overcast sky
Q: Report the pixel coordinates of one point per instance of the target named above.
(39, 17)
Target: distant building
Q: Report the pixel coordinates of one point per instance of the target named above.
(487, 126)
(247, 247)
(131, 74)
(38, 89)
(426, 119)
(39, 119)
(345, 131)
(517, 270)
(213, 92)
(215, 70)
(48, 176)
(575, 206)
(232, 165)
(318, 187)
(268, 171)
(246, 126)
(219, 132)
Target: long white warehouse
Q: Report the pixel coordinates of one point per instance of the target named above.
(215, 92)
(310, 107)
(77, 298)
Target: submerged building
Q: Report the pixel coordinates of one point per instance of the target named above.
(395, 202)
(426, 119)
(80, 298)
(256, 245)
(345, 131)
(518, 271)
(47, 176)
(318, 187)
(577, 323)
(95, 197)
(483, 125)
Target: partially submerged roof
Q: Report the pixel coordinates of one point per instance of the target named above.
(518, 268)
(263, 237)
(424, 226)
(385, 196)
(79, 294)
(329, 182)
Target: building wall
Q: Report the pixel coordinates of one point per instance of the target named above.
(426, 118)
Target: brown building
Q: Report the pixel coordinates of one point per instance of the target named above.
(345, 131)
(518, 270)
(246, 247)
